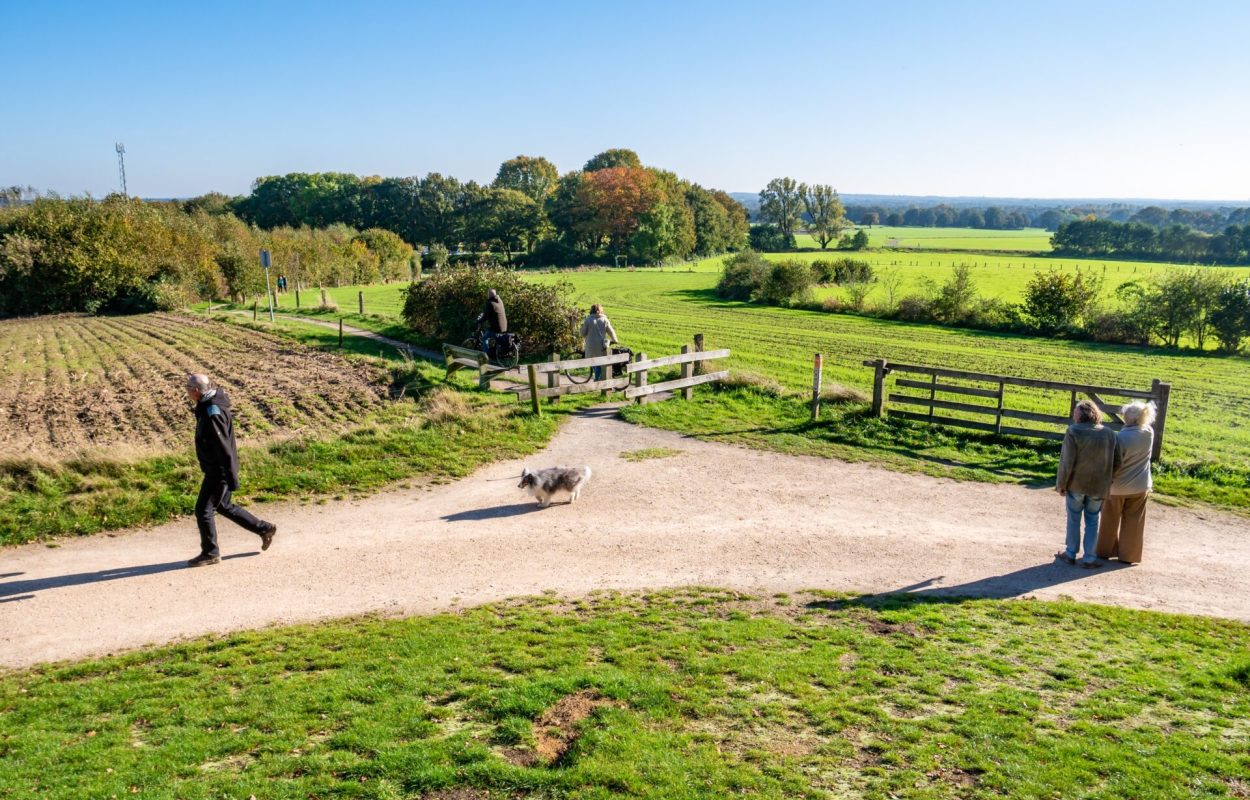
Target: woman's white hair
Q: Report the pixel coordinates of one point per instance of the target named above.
(1139, 413)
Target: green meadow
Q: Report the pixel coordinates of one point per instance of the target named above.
(1031, 240)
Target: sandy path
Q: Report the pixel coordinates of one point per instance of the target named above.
(713, 515)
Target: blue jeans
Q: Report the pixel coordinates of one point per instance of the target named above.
(596, 373)
(1082, 505)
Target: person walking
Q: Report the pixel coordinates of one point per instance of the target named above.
(493, 319)
(598, 336)
(219, 461)
(1123, 523)
(1087, 462)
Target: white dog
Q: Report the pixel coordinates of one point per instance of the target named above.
(544, 483)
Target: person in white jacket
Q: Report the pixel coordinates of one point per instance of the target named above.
(598, 336)
(1124, 512)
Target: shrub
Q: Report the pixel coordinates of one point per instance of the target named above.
(1056, 301)
(954, 298)
(1230, 317)
(789, 282)
(822, 271)
(743, 276)
(1122, 326)
(445, 306)
(915, 308)
(770, 239)
(857, 293)
(850, 270)
(435, 258)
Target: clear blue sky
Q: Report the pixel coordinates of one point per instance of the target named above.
(1061, 99)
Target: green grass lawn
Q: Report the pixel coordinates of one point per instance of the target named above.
(1032, 240)
(679, 694)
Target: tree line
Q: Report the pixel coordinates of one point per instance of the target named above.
(614, 206)
(128, 255)
(1102, 237)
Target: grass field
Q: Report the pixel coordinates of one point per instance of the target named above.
(1207, 446)
(681, 694)
(1031, 240)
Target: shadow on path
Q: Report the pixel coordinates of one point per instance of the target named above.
(1012, 584)
(23, 590)
(496, 512)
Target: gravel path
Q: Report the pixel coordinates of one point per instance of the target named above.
(711, 515)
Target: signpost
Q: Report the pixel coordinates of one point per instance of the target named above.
(265, 263)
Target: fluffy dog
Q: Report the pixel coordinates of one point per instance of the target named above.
(544, 483)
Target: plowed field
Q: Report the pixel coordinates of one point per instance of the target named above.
(73, 384)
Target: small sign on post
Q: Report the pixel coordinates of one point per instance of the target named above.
(265, 263)
(817, 369)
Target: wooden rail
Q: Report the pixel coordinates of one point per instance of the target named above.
(1159, 393)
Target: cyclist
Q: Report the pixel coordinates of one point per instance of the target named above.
(493, 320)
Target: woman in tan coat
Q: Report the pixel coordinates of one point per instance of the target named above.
(598, 336)
(1124, 513)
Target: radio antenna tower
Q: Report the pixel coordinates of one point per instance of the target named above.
(121, 165)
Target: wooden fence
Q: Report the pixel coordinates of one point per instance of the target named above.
(961, 388)
(634, 382)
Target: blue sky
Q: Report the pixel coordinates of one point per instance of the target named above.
(1061, 99)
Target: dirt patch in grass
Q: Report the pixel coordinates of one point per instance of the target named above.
(556, 729)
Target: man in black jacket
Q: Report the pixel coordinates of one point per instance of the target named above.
(219, 461)
(493, 318)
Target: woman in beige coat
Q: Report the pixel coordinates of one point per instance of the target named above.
(598, 337)
(1124, 512)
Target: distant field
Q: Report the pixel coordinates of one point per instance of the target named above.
(1031, 240)
(70, 384)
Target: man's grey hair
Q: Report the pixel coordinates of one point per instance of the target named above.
(1139, 413)
(199, 382)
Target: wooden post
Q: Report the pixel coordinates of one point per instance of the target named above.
(255, 304)
(878, 388)
(340, 333)
(535, 406)
(360, 297)
(297, 298)
(640, 378)
(998, 418)
(1162, 391)
(817, 375)
(687, 369)
(699, 367)
(932, 393)
(553, 380)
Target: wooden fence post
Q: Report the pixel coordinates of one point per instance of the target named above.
(255, 304)
(640, 377)
(1161, 392)
(297, 298)
(817, 375)
(687, 369)
(553, 380)
(360, 297)
(535, 405)
(340, 333)
(878, 388)
(699, 367)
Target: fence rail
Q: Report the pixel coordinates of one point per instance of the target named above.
(1159, 393)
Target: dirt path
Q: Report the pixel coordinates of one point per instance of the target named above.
(351, 330)
(712, 515)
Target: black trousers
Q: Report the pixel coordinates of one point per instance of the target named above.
(215, 497)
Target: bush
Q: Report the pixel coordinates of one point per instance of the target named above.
(1058, 301)
(743, 276)
(789, 282)
(822, 271)
(954, 298)
(435, 258)
(770, 239)
(1230, 318)
(1123, 327)
(445, 306)
(915, 308)
(850, 270)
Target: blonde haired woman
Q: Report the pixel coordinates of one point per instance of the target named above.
(1124, 512)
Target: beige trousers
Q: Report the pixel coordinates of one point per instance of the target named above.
(1121, 529)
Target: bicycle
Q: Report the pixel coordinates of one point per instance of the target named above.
(503, 348)
(581, 375)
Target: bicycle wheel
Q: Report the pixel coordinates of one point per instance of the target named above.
(578, 374)
(511, 356)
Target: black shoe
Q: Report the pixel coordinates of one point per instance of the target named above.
(204, 560)
(1091, 564)
(266, 535)
(1062, 555)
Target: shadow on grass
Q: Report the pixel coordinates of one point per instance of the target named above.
(1012, 584)
(23, 590)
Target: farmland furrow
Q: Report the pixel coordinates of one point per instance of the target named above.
(137, 394)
